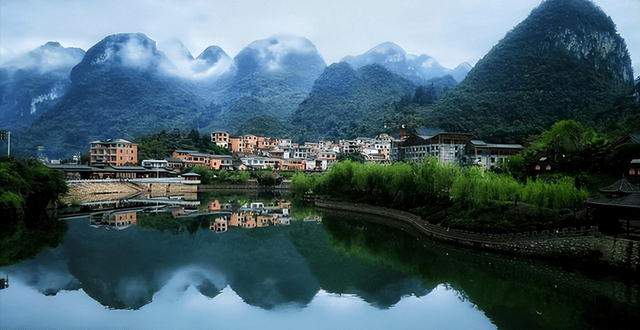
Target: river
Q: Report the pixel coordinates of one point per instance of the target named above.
(333, 271)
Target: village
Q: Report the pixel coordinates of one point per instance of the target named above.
(118, 159)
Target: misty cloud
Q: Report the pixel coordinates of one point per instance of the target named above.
(272, 51)
(49, 57)
(180, 62)
(453, 32)
(137, 53)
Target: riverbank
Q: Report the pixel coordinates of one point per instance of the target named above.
(249, 185)
(571, 245)
(100, 191)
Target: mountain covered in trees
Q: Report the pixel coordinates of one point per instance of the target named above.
(119, 89)
(564, 61)
(273, 76)
(32, 84)
(125, 87)
(347, 103)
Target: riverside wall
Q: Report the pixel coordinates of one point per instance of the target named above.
(579, 245)
(250, 185)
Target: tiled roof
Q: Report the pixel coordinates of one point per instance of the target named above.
(621, 186)
(426, 132)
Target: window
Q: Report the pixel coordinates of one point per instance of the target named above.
(632, 171)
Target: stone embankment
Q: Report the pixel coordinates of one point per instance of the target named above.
(250, 185)
(100, 190)
(578, 244)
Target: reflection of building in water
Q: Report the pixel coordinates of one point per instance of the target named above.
(214, 206)
(242, 219)
(313, 218)
(176, 212)
(265, 220)
(117, 220)
(258, 217)
(219, 225)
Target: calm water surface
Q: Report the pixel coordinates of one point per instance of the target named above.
(344, 272)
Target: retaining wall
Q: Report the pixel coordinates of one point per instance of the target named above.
(579, 244)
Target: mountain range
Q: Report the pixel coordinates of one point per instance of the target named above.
(125, 87)
(31, 85)
(564, 61)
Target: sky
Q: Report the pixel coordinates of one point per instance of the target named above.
(451, 31)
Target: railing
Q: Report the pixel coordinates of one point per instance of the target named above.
(155, 201)
(96, 181)
(450, 233)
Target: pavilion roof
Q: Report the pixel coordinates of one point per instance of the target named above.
(621, 186)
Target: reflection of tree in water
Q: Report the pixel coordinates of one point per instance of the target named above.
(514, 293)
(287, 266)
(25, 240)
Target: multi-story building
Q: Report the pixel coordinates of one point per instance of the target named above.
(255, 162)
(192, 158)
(301, 152)
(488, 154)
(447, 147)
(294, 164)
(113, 152)
(217, 162)
(268, 143)
(349, 146)
(220, 138)
(236, 144)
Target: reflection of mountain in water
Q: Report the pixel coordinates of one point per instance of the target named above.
(513, 293)
(266, 268)
(287, 266)
(349, 274)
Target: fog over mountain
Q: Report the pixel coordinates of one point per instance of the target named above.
(127, 86)
(418, 69)
(32, 84)
(566, 60)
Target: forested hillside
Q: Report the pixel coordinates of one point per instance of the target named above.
(565, 61)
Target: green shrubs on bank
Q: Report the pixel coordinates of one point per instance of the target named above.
(469, 197)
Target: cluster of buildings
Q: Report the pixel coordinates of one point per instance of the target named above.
(250, 216)
(119, 158)
(260, 152)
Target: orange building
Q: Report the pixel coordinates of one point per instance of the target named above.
(115, 153)
(215, 206)
(217, 162)
(250, 143)
(236, 144)
(123, 219)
